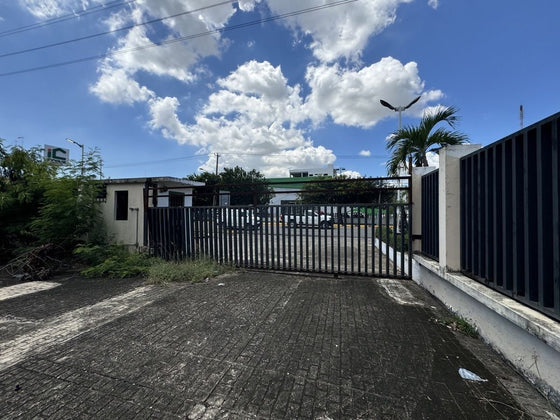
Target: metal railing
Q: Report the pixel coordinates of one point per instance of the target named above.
(510, 221)
(430, 215)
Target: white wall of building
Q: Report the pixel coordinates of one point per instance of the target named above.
(125, 231)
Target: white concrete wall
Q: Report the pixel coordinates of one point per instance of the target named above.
(449, 203)
(124, 231)
(529, 340)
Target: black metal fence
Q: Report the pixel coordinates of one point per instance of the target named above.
(430, 215)
(510, 221)
(335, 239)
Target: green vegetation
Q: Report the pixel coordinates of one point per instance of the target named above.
(115, 261)
(413, 143)
(245, 188)
(343, 190)
(42, 203)
(457, 323)
(194, 270)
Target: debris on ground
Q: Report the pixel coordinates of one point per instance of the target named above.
(470, 376)
(37, 264)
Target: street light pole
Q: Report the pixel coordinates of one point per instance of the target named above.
(398, 109)
(81, 146)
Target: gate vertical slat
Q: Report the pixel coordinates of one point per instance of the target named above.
(366, 219)
(489, 214)
(332, 241)
(556, 215)
(394, 237)
(403, 230)
(483, 196)
(387, 226)
(374, 216)
(319, 248)
(518, 218)
(274, 227)
(380, 228)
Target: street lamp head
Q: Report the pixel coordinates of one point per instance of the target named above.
(388, 105)
(412, 103)
(75, 142)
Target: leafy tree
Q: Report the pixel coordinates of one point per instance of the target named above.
(24, 177)
(41, 202)
(415, 142)
(205, 196)
(69, 213)
(343, 190)
(245, 188)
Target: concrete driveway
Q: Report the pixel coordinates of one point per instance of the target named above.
(247, 345)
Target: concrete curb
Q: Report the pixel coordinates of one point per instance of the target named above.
(525, 337)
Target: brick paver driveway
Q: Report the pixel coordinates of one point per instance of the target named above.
(249, 345)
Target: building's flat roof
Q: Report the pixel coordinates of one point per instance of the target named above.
(168, 180)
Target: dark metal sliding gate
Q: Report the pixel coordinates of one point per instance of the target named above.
(362, 239)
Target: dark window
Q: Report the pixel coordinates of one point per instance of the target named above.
(176, 199)
(121, 205)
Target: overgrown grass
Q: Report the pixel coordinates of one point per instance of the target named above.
(121, 265)
(194, 270)
(388, 236)
(115, 261)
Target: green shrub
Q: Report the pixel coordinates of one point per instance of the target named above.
(113, 261)
(96, 254)
(194, 270)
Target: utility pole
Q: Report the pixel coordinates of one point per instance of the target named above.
(217, 159)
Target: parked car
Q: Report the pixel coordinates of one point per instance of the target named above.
(245, 218)
(308, 218)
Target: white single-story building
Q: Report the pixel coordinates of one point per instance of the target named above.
(125, 200)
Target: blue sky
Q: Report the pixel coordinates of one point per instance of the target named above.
(292, 93)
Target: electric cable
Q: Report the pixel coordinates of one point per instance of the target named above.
(64, 18)
(183, 38)
(112, 31)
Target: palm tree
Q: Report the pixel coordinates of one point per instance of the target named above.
(413, 143)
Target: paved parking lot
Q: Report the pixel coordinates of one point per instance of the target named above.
(248, 345)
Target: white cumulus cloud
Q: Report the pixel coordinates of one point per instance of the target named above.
(252, 121)
(115, 86)
(340, 31)
(365, 153)
(351, 97)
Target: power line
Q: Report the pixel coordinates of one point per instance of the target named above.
(69, 16)
(183, 38)
(112, 31)
(122, 165)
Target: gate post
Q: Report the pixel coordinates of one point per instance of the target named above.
(416, 201)
(450, 204)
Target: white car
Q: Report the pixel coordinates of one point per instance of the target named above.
(308, 218)
(239, 218)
